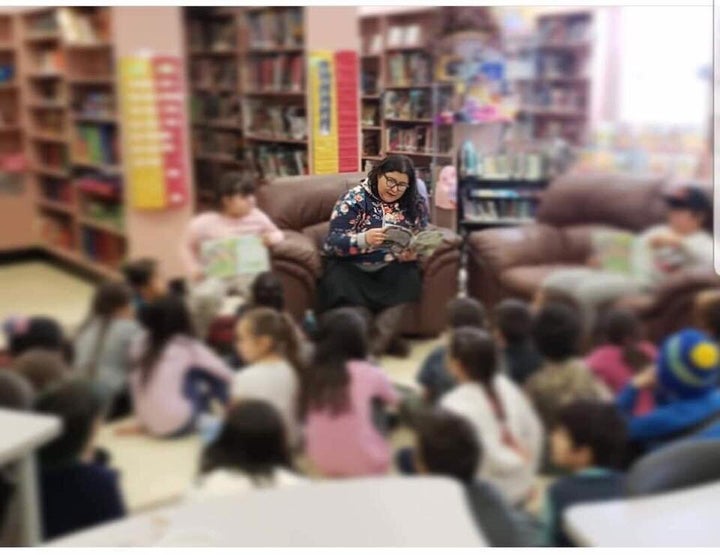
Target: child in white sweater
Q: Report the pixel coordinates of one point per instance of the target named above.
(506, 424)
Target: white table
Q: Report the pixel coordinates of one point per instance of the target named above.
(687, 518)
(368, 512)
(20, 434)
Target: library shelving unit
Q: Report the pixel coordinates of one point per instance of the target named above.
(556, 98)
(274, 90)
(73, 134)
(214, 63)
(372, 33)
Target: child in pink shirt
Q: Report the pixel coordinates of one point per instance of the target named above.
(238, 216)
(341, 393)
(175, 377)
(622, 355)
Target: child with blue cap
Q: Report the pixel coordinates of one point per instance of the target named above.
(685, 387)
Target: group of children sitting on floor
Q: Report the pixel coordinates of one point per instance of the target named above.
(508, 396)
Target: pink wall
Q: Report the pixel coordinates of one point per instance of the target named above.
(154, 233)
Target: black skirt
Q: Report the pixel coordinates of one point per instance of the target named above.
(343, 283)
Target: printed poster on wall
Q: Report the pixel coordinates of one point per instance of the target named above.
(154, 130)
(324, 112)
(347, 83)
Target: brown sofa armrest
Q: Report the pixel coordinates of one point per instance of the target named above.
(298, 249)
(447, 249)
(687, 282)
(503, 248)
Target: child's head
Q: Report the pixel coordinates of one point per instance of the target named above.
(81, 406)
(266, 290)
(236, 194)
(112, 299)
(144, 277)
(689, 209)
(447, 446)
(688, 365)
(16, 392)
(42, 368)
(164, 318)
(589, 433)
(513, 321)
(465, 312)
(36, 332)
(472, 356)
(342, 335)
(622, 328)
(556, 330)
(264, 332)
(707, 312)
(252, 440)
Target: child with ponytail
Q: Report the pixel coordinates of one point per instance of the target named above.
(622, 354)
(102, 346)
(503, 419)
(267, 342)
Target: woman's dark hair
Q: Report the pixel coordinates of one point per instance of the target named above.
(164, 319)
(280, 328)
(465, 312)
(235, 183)
(599, 426)
(110, 297)
(42, 368)
(266, 290)
(139, 273)
(514, 320)
(252, 440)
(410, 202)
(341, 337)
(36, 332)
(556, 330)
(476, 351)
(448, 445)
(622, 328)
(79, 403)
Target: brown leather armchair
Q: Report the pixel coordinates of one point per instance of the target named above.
(513, 262)
(301, 207)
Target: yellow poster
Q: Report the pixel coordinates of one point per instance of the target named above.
(324, 112)
(142, 144)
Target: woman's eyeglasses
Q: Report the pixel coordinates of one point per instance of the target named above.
(394, 185)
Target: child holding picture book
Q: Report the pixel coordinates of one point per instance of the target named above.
(224, 250)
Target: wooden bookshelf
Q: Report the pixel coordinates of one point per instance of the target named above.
(372, 78)
(70, 72)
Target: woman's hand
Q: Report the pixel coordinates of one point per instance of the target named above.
(375, 237)
(408, 256)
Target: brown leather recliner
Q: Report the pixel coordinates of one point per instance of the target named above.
(512, 262)
(301, 207)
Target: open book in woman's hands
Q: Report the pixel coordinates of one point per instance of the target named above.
(399, 239)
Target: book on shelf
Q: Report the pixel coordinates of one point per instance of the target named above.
(99, 185)
(279, 121)
(498, 209)
(89, 102)
(371, 144)
(280, 160)
(96, 144)
(235, 256)
(374, 45)
(216, 35)
(414, 104)
(277, 73)
(407, 69)
(278, 28)
(102, 247)
(77, 27)
(209, 106)
(369, 79)
(49, 60)
(370, 114)
(405, 35)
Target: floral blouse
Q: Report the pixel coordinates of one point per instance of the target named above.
(358, 211)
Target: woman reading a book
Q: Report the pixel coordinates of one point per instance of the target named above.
(363, 267)
(648, 260)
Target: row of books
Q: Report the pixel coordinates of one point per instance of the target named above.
(48, 91)
(53, 156)
(110, 213)
(223, 106)
(570, 30)
(102, 247)
(42, 23)
(370, 113)
(404, 35)
(48, 60)
(214, 73)
(56, 190)
(415, 104)
(276, 28)
(99, 185)
(209, 141)
(370, 80)
(553, 64)
(371, 143)
(49, 121)
(530, 166)
(96, 103)
(96, 144)
(554, 97)
(7, 73)
(275, 120)
(89, 27)
(407, 69)
(280, 161)
(276, 73)
(418, 139)
(492, 210)
(56, 230)
(217, 35)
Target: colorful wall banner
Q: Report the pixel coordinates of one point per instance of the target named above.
(324, 112)
(154, 131)
(347, 82)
